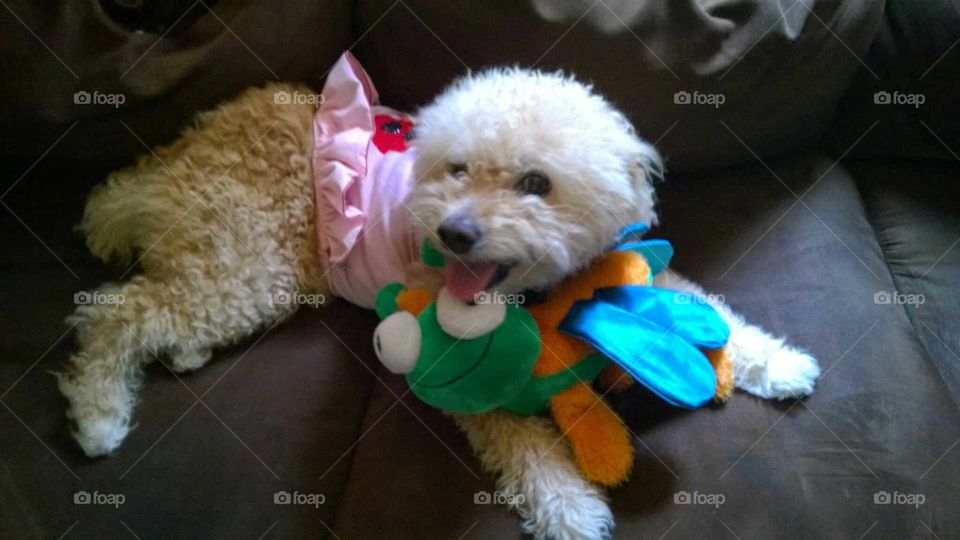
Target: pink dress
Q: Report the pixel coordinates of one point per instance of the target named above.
(363, 171)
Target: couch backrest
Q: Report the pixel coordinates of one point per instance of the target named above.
(694, 75)
(712, 82)
(905, 105)
(164, 73)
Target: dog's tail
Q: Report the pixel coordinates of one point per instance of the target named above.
(115, 215)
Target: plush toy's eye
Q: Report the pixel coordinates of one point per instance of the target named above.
(457, 168)
(534, 183)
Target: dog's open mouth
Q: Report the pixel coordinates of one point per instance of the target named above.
(464, 279)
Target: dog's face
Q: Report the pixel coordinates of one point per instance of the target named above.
(525, 177)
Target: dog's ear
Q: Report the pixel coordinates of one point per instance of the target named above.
(646, 170)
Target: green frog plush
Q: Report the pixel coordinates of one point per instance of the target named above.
(470, 358)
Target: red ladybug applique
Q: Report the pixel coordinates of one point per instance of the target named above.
(392, 133)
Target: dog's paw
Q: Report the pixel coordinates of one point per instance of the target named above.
(101, 419)
(792, 373)
(100, 436)
(576, 514)
(787, 373)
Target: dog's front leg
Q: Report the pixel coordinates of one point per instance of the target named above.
(533, 462)
(763, 365)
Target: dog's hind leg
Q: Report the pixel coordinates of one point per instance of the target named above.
(763, 365)
(103, 375)
(183, 315)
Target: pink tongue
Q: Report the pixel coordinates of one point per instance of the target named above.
(465, 280)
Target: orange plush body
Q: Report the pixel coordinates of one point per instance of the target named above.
(600, 441)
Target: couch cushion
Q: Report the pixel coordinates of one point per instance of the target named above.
(879, 421)
(284, 407)
(912, 205)
(301, 406)
(777, 65)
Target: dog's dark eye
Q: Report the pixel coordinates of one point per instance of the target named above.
(458, 168)
(534, 183)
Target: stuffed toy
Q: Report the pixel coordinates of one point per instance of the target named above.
(606, 325)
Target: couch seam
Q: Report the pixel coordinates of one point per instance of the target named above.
(896, 283)
(353, 19)
(353, 452)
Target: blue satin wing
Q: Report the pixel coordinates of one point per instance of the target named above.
(633, 231)
(657, 253)
(686, 314)
(656, 356)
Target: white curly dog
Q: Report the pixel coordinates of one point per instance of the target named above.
(224, 216)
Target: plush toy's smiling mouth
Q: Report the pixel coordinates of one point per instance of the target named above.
(464, 279)
(468, 369)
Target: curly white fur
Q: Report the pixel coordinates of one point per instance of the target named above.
(223, 220)
(502, 123)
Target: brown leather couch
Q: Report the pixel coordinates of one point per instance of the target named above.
(820, 198)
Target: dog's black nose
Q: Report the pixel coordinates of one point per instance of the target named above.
(459, 233)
